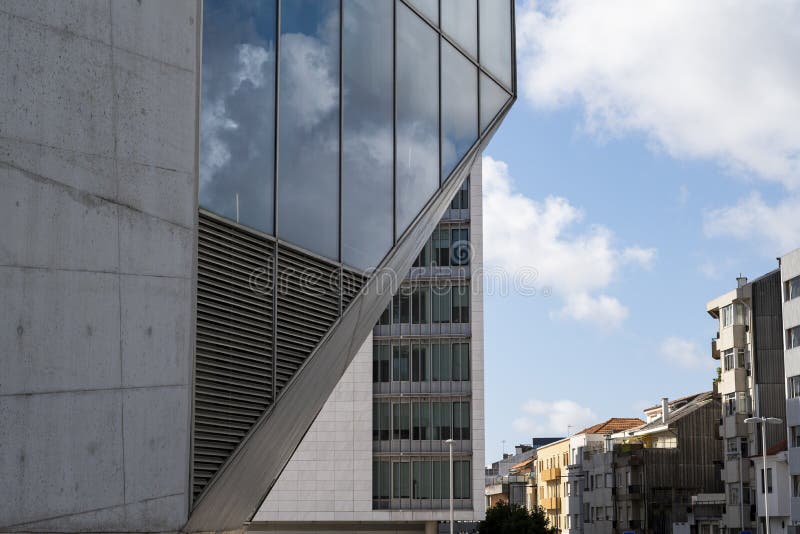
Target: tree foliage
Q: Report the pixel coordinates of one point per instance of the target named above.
(504, 518)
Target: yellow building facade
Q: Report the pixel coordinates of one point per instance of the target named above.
(551, 467)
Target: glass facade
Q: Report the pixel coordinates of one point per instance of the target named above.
(330, 124)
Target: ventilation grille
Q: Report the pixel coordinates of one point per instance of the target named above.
(351, 284)
(233, 366)
(308, 305)
(240, 365)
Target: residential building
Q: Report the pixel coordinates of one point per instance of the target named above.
(775, 483)
(581, 488)
(642, 479)
(551, 466)
(790, 285)
(749, 346)
(509, 479)
(707, 512)
(206, 208)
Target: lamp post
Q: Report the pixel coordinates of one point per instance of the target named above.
(450, 443)
(764, 421)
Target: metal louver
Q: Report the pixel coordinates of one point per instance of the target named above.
(251, 339)
(307, 307)
(233, 365)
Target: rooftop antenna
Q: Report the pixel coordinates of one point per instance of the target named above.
(504, 447)
(569, 429)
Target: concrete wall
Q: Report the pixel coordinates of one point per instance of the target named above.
(97, 222)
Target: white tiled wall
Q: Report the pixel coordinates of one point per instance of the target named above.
(329, 478)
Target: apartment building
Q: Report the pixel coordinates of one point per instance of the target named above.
(749, 347)
(773, 483)
(551, 468)
(580, 485)
(206, 208)
(509, 479)
(643, 478)
(790, 286)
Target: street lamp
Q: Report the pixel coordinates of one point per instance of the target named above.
(764, 421)
(450, 443)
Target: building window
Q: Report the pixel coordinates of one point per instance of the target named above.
(793, 387)
(728, 359)
(401, 478)
(729, 404)
(794, 436)
(401, 421)
(795, 485)
(793, 337)
(733, 494)
(793, 288)
(461, 200)
(726, 315)
(733, 445)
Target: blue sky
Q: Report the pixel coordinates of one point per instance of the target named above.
(664, 183)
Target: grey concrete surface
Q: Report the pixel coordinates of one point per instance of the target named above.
(97, 218)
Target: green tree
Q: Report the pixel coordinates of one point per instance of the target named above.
(504, 518)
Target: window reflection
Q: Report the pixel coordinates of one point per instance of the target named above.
(429, 8)
(495, 38)
(493, 98)
(417, 115)
(367, 121)
(237, 120)
(459, 107)
(460, 21)
(308, 177)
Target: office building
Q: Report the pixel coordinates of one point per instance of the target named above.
(206, 208)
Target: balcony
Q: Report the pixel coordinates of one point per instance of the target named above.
(714, 347)
(547, 475)
(551, 503)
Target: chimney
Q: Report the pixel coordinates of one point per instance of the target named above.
(664, 409)
(518, 449)
(741, 281)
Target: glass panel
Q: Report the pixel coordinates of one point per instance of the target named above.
(417, 115)
(367, 115)
(495, 36)
(429, 8)
(459, 107)
(386, 477)
(460, 21)
(493, 98)
(237, 121)
(308, 136)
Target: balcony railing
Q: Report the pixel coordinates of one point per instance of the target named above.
(551, 503)
(553, 473)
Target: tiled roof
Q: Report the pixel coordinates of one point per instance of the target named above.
(522, 464)
(615, 424)
(778, 447)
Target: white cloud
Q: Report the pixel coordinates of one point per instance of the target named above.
(553, 418)
(714, 80)
(685, 353)
(776, 227)
(577, 262)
